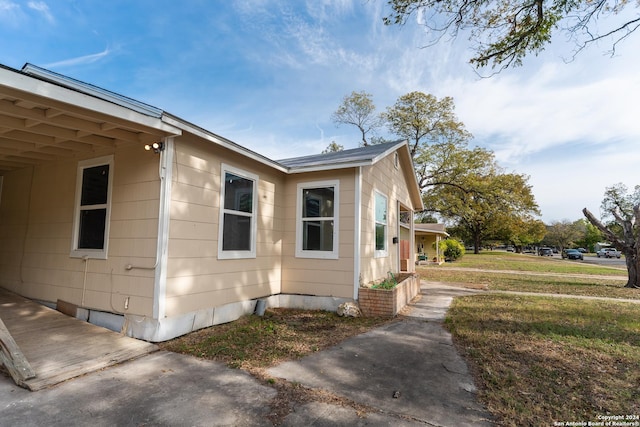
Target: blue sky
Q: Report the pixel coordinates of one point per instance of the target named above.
(268, 74)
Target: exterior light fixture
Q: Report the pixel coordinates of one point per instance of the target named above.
(156, 147)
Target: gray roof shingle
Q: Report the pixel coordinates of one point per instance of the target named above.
(346, 158)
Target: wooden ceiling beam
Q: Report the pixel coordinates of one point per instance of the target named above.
(62, 120)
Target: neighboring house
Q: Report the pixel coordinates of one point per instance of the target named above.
(192, 230)
(427, 238)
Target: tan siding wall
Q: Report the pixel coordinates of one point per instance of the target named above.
(390, 181)
(42, 268)
(14, 211)
(325, 277)
(196, 278)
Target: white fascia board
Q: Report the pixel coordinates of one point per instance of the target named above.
(33, 85)
(414, 179)
(90, 89)
(216, 139)
(389, 151)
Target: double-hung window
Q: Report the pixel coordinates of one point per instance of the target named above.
(317, 220)
(381, 208)
(238, 206)
(92, 208)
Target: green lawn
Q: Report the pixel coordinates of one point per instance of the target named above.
(541, 360)
(529, 273)
(498, 260)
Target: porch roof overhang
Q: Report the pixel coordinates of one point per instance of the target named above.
(430, 229)
(42, 119)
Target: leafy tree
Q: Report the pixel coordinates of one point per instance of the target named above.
(485, 203)
(359, 110)
(505, 31)
(624, 208)
(424, 120)
(448, 163)
(590, 235)
(437, 139)
(425, 217)
(523, 231)
(332, 148)
(563, 234)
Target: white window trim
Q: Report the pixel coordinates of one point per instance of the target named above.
(251, 253)
(385, 252)
(334, 254)
(91, 253)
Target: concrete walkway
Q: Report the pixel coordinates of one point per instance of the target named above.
(407, 373)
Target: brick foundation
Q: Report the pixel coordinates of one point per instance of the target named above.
(388, 302)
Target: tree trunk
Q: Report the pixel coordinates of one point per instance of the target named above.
(632, 269)
(629, 245)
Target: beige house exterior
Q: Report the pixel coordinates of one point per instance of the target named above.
(159, 241)
(427, 239)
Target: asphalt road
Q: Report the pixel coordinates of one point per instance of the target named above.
(611, 262)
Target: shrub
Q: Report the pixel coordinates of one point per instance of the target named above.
(452, 249)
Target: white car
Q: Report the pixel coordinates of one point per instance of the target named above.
(608, 253)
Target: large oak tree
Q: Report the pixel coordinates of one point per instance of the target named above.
(488, 203)
(624, 231)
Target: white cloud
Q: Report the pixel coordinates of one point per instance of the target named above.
(86, 59)
(43, 8)
(10, 13)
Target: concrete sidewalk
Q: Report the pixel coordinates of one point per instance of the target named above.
(412, 359)
(408, 371)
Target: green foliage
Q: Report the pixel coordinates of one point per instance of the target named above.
(618, 201)
(503, 32)
(388, 283)
(486, 203)
(589, 235)
(424, 120)
(333, 147)
(359, 110)
(451, 249)
(564, 234)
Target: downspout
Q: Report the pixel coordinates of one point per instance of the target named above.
(357, 235)
(412, 245)
(398, 239)
(164, 214)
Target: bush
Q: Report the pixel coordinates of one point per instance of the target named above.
(452, 249)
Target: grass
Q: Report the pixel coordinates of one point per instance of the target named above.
(527, 273)
(252, 342)
(542, 360)
(497, 260)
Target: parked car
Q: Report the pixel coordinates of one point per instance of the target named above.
(572, 254)
(582, 250)
(545, 252)
(608, 253)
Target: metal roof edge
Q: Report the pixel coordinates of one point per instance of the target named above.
(325, 167)
(222, 141)
(389, 151)
(89, 89)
